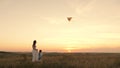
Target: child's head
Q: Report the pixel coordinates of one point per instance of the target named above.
(40, 50)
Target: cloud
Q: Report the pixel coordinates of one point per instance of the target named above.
(96, 8)
(104, 48)
(86, 8)
(55, 20)
(81, 6)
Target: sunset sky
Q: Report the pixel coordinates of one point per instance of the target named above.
(95, 25)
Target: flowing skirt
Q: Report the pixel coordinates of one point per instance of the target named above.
(34, 55)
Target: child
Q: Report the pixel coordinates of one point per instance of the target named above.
(40, 54)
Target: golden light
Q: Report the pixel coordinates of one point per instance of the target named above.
(69, 49)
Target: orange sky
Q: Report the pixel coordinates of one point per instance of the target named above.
(95, 26)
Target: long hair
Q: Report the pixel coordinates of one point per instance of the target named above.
(34, 44)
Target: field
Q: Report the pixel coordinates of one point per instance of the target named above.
(60, 60)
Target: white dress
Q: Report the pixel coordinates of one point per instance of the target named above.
(34, 55)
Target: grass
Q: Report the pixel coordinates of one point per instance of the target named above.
(60, 60)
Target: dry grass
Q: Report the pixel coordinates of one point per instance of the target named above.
(61, 60)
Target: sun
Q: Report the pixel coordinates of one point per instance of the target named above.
(69, 49)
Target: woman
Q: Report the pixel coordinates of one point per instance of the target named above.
(34, 52)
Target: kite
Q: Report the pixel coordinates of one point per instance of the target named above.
(69, 18)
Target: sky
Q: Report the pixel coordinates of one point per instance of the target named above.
(95, 25)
